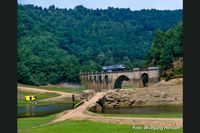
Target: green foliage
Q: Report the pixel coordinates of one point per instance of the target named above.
(166, 48)
(55, 44)
(169, 76)
(178, 71)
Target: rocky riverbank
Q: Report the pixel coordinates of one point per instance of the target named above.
(163, 93)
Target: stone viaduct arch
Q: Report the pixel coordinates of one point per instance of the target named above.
(113, 80)
(119, 80)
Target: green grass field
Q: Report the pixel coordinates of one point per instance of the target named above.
(21, 94)
(85, 126)
(27, 123)
(167, 115)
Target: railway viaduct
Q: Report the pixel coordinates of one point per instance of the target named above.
(113, 80)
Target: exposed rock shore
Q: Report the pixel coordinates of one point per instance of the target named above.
(163, 93)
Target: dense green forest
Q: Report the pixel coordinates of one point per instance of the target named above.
(167, 48)
(54, 44)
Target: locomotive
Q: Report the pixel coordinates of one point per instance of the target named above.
(113, 68)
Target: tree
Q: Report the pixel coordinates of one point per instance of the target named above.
(100, 58)
(55, 44)
(166, 48)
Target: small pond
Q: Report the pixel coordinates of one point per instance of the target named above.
(31, 110)
(144, 110)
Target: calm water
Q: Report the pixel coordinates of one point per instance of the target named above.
(42, 110)
(144, 110)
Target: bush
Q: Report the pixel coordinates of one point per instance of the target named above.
(168, 77)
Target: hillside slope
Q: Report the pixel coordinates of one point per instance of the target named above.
(55, 44)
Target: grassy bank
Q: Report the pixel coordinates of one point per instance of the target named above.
(27, 123)
(164, 115)
(40, 96)
(85, 126)
(61, 89)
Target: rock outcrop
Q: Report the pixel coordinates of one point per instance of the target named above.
(163, 93)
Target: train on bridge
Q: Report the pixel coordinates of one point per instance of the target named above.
(114, 68)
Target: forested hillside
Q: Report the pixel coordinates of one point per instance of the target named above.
(54, 45)
(167, 51)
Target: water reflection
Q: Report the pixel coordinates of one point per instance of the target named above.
(31, 110)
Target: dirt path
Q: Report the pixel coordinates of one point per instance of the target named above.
(62, 95)
(81, 113)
